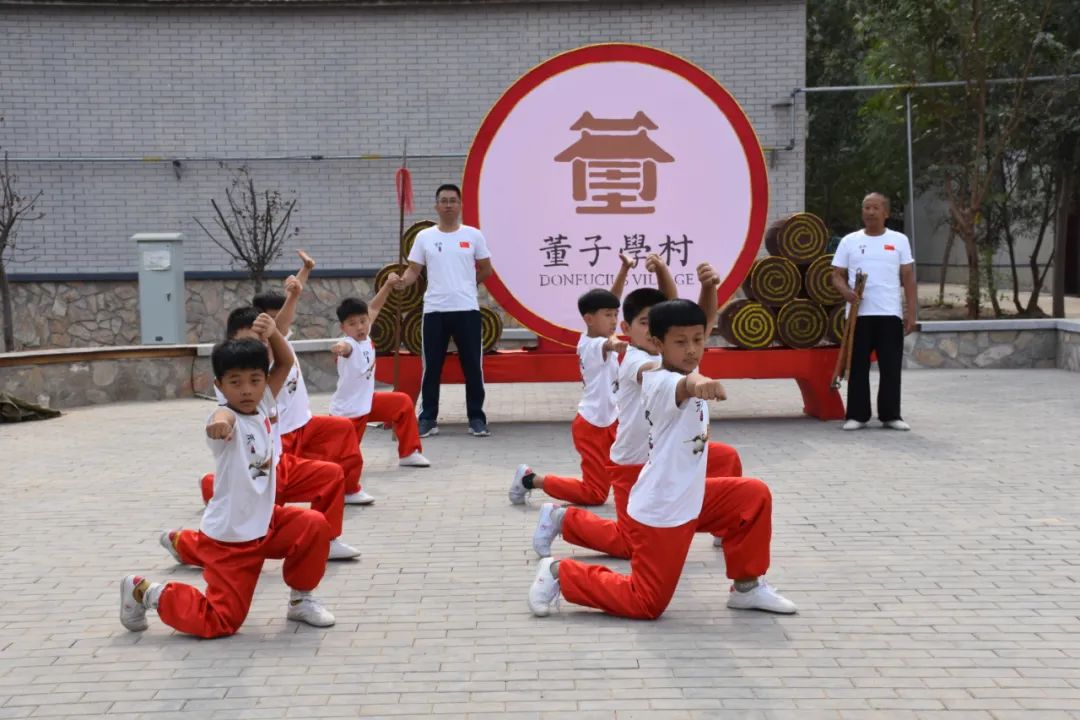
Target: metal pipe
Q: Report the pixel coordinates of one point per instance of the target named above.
(935, 84)
(265, 158)
(910, 173)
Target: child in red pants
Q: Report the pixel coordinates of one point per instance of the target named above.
(304, 435)
(631, 447)
(355, 397)
(672, 499)
(594, 426)
(319, 482)
(241, 527)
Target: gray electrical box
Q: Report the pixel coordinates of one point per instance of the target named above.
(162, 316)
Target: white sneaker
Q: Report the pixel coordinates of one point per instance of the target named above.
(548, 527)
(309, 610)
(763, 597)
(168, 544)
(518, 491)
(360, 497)
(341, 551)
(717, 541)
(544, 591)
(132, 612)
(853, 425)
(415, 459)
(896, 425)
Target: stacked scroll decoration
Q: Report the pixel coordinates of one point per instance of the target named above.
(410, 303)
(790, 299)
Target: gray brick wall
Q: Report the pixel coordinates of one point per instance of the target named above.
(123, 81)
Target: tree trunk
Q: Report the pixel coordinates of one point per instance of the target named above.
(1064, 199)
(5, 302)
(945, 264)
(971, 250)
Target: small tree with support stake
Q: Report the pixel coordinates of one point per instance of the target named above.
(256, 226)
(14, 210)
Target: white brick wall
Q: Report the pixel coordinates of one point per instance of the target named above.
(122, 81)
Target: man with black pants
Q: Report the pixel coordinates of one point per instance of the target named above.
(457, 260)
(885, 256)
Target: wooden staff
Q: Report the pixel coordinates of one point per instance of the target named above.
(403, 182)
(843, 359)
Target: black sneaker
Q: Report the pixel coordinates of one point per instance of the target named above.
(428, 428)
(478, 428)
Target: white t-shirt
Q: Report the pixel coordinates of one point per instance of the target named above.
(451, 267)
(244, 478)
(631, 446)
(294, 409)
(355, 380)
(275, 416)
(601, 378)
(671, 487)
(880, 257)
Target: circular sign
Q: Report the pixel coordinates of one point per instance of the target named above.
(612, 149)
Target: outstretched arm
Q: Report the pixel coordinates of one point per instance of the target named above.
(283, 355)
(620, 277)
(377, 302)
(664, 281)
(287, 314)
(710, 281)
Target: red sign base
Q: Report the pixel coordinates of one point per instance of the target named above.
(812, 369)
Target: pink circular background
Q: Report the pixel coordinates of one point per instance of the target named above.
(715, 191)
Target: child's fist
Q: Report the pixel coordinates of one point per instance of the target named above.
(264, 326)
(654, 262)
(293, 286)
(219, 430)
(309, 263)
(340, 349)
(707, 276)
(709, 390)
(627, 261)
(394, 281)
(616, 345)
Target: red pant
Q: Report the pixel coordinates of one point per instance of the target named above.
(594, 445)
(231, 570)
(739, 509)
(320, 483)
(328, 438)
(585, 529)
(396, 408)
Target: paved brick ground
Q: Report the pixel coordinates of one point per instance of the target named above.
(936, 572)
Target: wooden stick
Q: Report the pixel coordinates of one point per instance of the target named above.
(401, 261)
(843, 359)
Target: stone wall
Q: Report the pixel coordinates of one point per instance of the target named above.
(80, 314)
(983, 349)
(1068, 348)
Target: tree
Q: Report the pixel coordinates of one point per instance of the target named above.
(15, 209)
(256, 226)
(856, 143)
(973, 41)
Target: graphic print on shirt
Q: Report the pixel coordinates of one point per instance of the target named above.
(370, 365)
(701, 440)
(438, 245)
(257, 466)
(291, 383)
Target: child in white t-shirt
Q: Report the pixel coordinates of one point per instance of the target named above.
(631, 448)
(303, 434)
(672, 499)
(242, 526)
(355, 397)
(594, 426)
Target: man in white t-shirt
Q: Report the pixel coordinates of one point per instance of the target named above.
(457, 260)
(885, 256)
